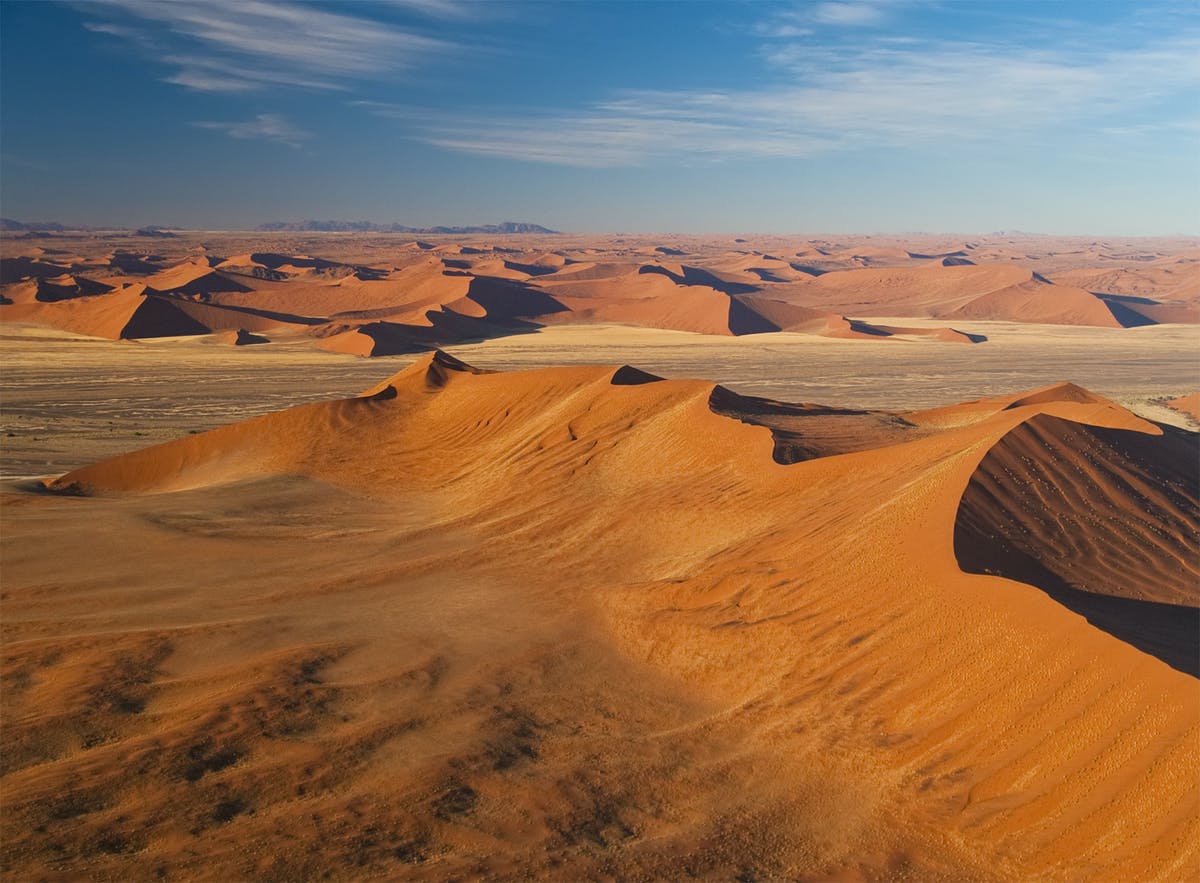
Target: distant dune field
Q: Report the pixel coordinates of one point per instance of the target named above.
(377, 295)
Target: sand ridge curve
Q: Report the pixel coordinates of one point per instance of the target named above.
(597, 538)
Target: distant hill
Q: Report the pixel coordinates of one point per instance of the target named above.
(8, 224)
(368, 227)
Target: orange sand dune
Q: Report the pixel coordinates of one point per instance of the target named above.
(958, 291)
(131, 264)
(139, 311)
(18, 268)
(1177, 280)
(1188, 404)
(1038, 301)
(1100, 411)
(54, 288)
(574, 623)
(129, 312)
(193, 277)
(374, 338)
(689, 284)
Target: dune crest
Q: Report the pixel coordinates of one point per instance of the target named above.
(803, 614)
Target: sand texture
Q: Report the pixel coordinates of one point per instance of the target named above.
(585, 623)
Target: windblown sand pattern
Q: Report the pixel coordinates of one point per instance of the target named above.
(583, 622)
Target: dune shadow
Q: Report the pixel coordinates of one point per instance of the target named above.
(531, 269)
(627, 375)
(1170, 632)
(1125, 314)
(132, 265)
(274, 316)
(1102, 520)
(807, 269)
(743, 319)
(1127, 299)
(865, 328)
(394, 339)
(696, 276)
(918, 256)
(801, 432)
(507, 300)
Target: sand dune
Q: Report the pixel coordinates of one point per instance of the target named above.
(55, 288)
(133, 311)
(193, 277)
(1117, 519)
(1188, 404)
(19, 268)
(957, 291)
(1037, 301)
(591, 627)
(1172, 280)
(825, 287)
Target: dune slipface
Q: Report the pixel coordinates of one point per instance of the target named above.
(585, 622)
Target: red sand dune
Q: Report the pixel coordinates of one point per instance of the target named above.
(1188, 404)
(979, 292)
(54, 288)
(18, 268)
(695, 285)
(606, 632)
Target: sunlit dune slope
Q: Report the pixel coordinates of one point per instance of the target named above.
(1188, 404)
(575, 623)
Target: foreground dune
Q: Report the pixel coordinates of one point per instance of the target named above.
(584, 623)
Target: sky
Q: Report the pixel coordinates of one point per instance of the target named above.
(864, 116)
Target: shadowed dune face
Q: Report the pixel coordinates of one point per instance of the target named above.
(578, 623)
(1104, 520)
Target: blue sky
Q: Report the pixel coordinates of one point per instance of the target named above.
(854, 116)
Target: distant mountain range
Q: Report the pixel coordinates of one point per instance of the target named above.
(9, 225)
(368, 227)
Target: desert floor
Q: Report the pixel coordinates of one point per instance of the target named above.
(72, 400)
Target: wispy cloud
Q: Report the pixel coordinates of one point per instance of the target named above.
(247, 45)
(860, 13)
(780, 30)
(805, 19)
(884, 93)
(264, 127)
